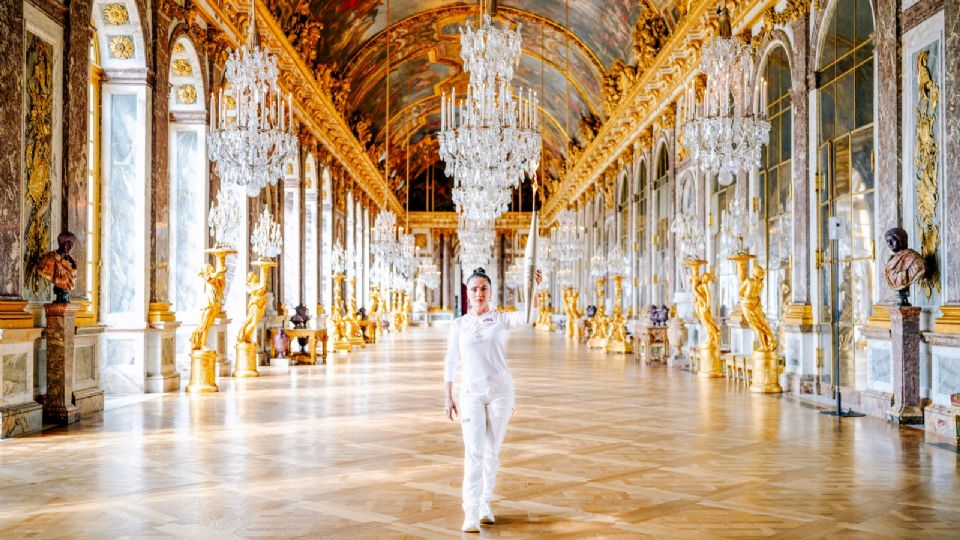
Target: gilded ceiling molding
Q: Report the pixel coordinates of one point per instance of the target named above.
(771, 18)
(313, 104)
(653, 89)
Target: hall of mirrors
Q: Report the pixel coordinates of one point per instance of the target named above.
(111, 109)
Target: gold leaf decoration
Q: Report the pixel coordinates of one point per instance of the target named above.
(186, 94)
(116, 14)
(38, 160)
(121, 47)
(925, 161)
(182, 67)
(179, 48)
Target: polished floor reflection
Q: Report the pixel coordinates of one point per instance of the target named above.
(599, 446)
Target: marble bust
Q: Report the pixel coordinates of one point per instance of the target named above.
(59, 268)
(905, 267)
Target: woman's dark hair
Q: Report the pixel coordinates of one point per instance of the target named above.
(480, 273)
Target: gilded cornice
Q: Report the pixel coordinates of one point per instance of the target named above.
(510, 221)
(314, 107)
(654, 89)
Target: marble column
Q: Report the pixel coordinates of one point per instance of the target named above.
(11, 169)
(58, 407)
(887, 211)
(159, 163)
(905, 360)
(800, 163)
(75, 163)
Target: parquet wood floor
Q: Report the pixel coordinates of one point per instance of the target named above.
(599, 447)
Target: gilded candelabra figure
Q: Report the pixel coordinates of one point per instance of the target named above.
(617, 332)
(256, 306)
(203, 360)
(544, 321)
(353, 323)
(766, 372)
(702, 297)
(338, 322)
(571, 298)
(598, 338)
(375, 316)
(405, 310)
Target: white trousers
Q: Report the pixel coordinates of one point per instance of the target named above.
(484, 412)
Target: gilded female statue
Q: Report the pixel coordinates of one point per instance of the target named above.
(701, 305)
(750, 292)
(215, 282)
(256, 305)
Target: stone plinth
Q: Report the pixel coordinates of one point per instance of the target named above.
(58, 406)
(905, 363)
(160, 368)
(19, 413)
(87, 394)
(217, 341)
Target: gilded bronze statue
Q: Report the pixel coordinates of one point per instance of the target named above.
(701, 304)
(215, 280)
(904, 267)
(256, 306)
(750, 303)
(59, 268)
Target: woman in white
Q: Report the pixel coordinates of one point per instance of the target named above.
(478, 342)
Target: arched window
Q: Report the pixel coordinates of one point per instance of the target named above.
(623, 213)
(311, 261)
(640, 233)
(845, 191)
(661, 205)
(776, 191)
(291, 236)
(188, 184)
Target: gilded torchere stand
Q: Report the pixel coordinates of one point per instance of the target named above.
(355, 333)
(203, 360)
(570, 300)
(338, 323)
(598, 339)
(544, 317)
(256, 305)
(765, 378)
(617, 341)
(702, 296)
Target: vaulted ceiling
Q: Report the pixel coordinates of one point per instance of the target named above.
(568, 48)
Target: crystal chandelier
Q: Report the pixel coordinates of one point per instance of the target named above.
(224, 219)
(690, 235)
(598, 266)
(384, 245)
(727, 136)
(514, 274)
(266, 239)
(618, 263)
(428, 275)
(406, 263)
(569, 239)
(738, 226)
(251, 126)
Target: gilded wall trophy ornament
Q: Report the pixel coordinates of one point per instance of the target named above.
(38, 161)
(926, 151)
(59, 268)
(904, 267)
(181, 66)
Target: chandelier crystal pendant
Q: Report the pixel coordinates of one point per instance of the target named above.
(224, 219)
(251, 125)
(727, 136)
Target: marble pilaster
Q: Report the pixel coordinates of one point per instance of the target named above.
(951, 154)
(905, 360)
(75, 116)
(887, 211)
(58, 406)
(159, 161)
(800, 162)
(11, 168)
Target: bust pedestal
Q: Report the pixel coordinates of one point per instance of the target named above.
(905, 360)
(58, 407)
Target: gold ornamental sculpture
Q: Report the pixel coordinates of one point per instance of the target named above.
(598, 337)
(618, 265)
(766, 368)
(223, 221)
(544, 317)
(338, 322)
(267, 243)
(710, 346)
(571, 299)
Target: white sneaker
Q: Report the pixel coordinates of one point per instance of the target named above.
(486, 514)
(471, 522)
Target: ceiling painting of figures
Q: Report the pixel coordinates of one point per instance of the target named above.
(567, 49)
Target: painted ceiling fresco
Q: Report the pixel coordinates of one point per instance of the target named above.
(568, 48)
